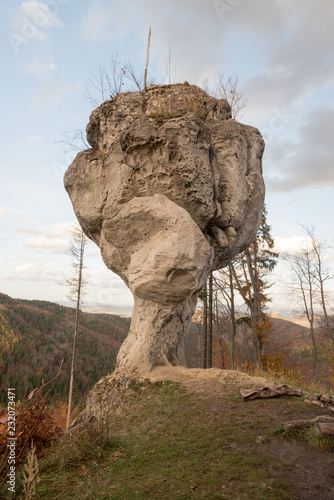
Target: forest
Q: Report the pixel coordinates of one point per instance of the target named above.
(35, 336)
(238, 329)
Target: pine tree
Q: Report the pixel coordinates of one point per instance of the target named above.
(250, 272)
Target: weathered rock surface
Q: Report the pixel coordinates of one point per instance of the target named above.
(171, 189)
(157, 248)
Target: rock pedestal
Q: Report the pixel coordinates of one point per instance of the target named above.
(171, 189)
(156, 335)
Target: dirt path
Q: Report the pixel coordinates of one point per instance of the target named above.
(206, 381)
(309, 471)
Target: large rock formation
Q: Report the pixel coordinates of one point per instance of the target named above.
(171, 189)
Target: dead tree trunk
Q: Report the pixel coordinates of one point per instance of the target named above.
(147, 58)
(77, 283)
(210, 323)
(232, 314)
(324, 428)
(205, 327)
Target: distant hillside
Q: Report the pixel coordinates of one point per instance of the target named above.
(42, 335)
(303, 321)
(118, 310)
(287, 333)
(298, 319)
(36, 335)
(279, 316)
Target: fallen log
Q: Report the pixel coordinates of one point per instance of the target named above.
(327, 398)
(269, 391)
(318, 401)
(324, 428)
(297, 425)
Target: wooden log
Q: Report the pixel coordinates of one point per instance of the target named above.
(295, 425)
(326, 398)
(324, 428)
(269, 391)
(320, 403)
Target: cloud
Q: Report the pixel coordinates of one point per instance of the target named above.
(40, 66)
(290, 245)
(53, 88)
(295, 244)
(329, 255)
(50, 245)
(32, 21)
(299, 60)
(170, 21)
(93, 251)
(50, 94)
(102, 277)
(97, 24)
(40, 14)
(105, 287)
(52, 239)
(58, 229)
(31, 271)
(308, 162)
(2, 212)
(296, 39)
(34, 138)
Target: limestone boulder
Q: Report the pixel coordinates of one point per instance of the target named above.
(171, 188)
(157, 248)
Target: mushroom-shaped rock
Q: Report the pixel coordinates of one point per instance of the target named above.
(171, 189)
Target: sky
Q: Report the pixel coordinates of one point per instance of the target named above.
(282, 53)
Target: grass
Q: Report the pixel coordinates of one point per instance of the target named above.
(323, 443)
(161, 118)
(163, 443)
(283, 377)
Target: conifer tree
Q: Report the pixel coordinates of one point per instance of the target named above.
(250, 272)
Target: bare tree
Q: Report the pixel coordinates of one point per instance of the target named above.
(116, 77)
(76, 284)
(169, 67)
(321, 276)
(106, 82)
(204, 297)
(228, 88)
(134, 78)
(74, 141)
(308, 284)
(303, 286)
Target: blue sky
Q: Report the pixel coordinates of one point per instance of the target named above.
(282, 52)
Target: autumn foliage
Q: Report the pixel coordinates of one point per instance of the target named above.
(34, 422)
(262, 327)
(8, 342)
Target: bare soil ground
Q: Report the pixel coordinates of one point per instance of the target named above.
(309, 471)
